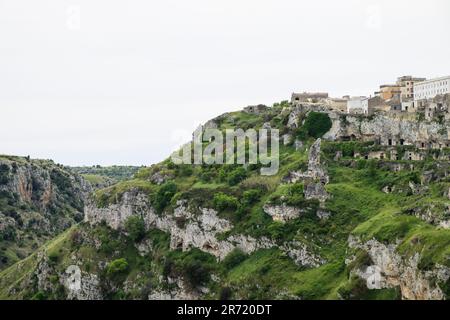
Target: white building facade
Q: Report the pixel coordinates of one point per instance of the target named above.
(431, 88)
(358, 105)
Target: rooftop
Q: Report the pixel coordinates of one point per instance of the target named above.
(434, 80)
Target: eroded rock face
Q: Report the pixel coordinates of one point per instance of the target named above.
(287, 139)
(315, 178)
(294, 121)
(188, 230)
(316, 191)
(78, 285)
(437, 214)
(384, 127)
(258, 109)
(159, 178)
(323, 214)
(390, 270)
(43, 273)
(282, 213)
(300, 254)
(89, 288)
(40, 184)
(42, 199)
(298, 145)
(115, 215)
(177, 291)
(302, 109)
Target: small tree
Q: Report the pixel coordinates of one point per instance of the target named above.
(223, 201)
(236, 176)
(233, 259)
(249, 197)
(4, 174)
(135, 227)
(164, 196)
(117, 267)
(317, 124)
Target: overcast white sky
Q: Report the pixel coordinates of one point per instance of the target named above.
(113, 82)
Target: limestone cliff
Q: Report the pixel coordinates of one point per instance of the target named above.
(198, 230)
(38, 200)
(389, 269)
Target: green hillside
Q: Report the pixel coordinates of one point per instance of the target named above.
(371, 210)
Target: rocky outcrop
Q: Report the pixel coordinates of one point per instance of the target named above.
(41, 183)
(299, 110)
(315, 178)
(78, 285)
(115, 215)
(436, 213)
(88, 288)
(323, 214)
(188, 230)
(44, 272)
(282, 213)
(160, 177)
(387, 127)
(299, 252)
(298, 145)
(389, 269)
(258, 109)
(316, 191)
(293, 120)
(177, 291)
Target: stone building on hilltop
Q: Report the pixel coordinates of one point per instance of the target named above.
(311, 97)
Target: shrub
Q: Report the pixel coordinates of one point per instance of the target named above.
(168, 267)
(225, 293)
(195, 273)
(232, 174)
(371, 169)
(39, 296)
(250, 197)
(316, 124)
(117, 267)
(276, 230)
(8, 234)
(135, 227)
(60, 180)
(295, 195)
(223, 201)
(164, 196)
(110, 241)
(236, 176)
(53, 257)
(206, 176)
(185, 170)
(234, 258)
(4, 174)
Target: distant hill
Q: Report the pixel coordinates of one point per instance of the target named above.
(38, 200)
(101, 177)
